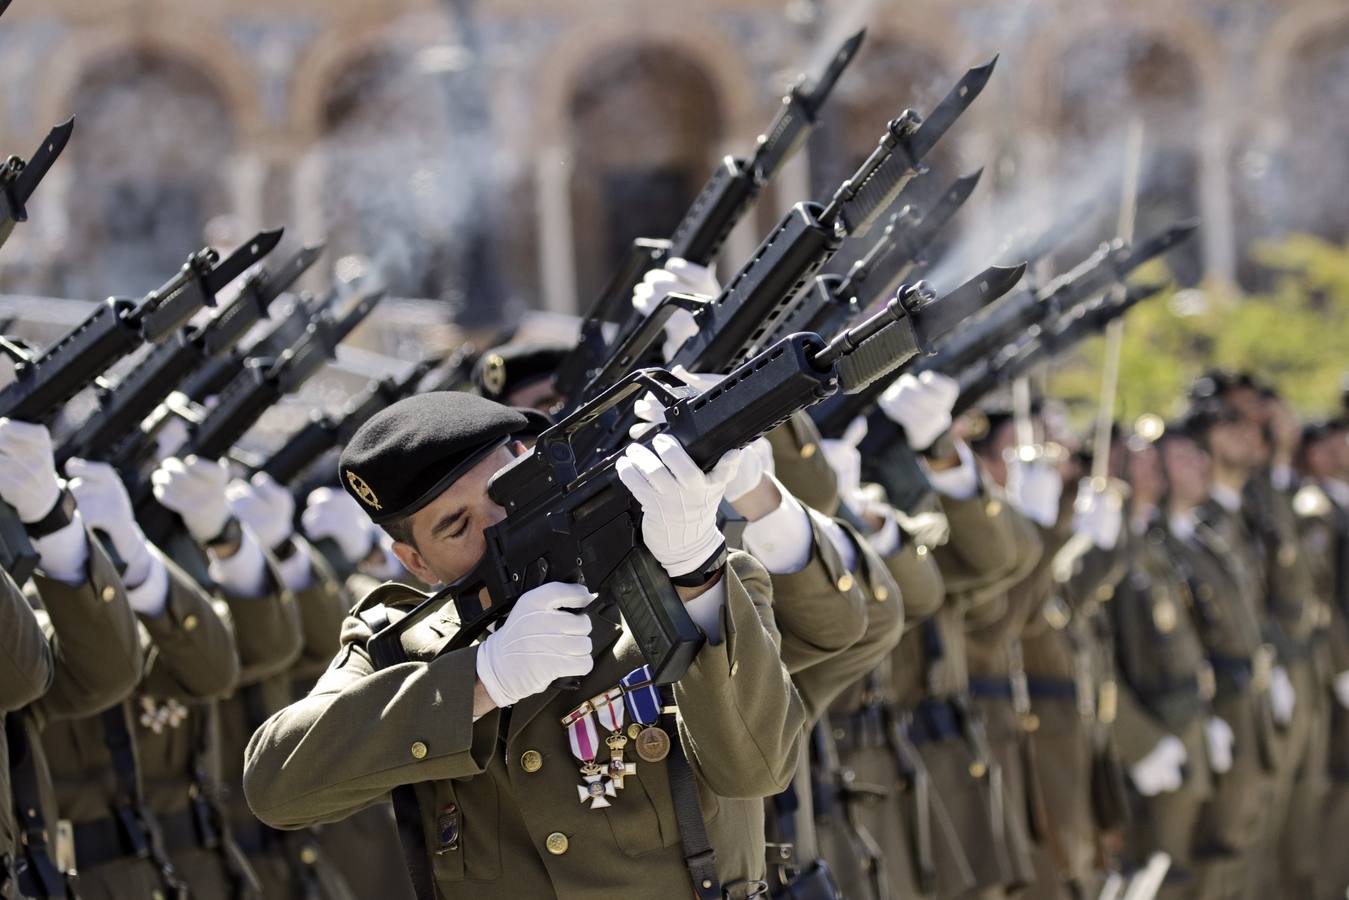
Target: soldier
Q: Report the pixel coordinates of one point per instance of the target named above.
(521, 375)
(1165, 683)
(509, 824)
(95, 761)
(26, 672)
(83, 611)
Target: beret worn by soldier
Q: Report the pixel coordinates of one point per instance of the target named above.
(407, 454)
(504, 370)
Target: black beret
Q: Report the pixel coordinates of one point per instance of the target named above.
(536, 423)
(508, 368)
(408, 453)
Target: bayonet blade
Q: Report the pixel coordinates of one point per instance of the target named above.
(915, 240)
(938, 319)
(1160, 243)
(951, 108)
(242, 260)
(276, 283)
(43, 159)
(818, 91)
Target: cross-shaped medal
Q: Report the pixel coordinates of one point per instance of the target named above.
(618, 770)
(595, 789)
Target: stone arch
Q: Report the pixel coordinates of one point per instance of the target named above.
(148, 170)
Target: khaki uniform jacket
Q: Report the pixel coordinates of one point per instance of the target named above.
(523, 833)
(800, 465)
(26, 671)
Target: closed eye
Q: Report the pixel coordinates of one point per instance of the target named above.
(451, 526)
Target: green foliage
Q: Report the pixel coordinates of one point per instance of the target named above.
(1296, 337)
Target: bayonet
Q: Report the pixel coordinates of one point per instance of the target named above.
(19, 179)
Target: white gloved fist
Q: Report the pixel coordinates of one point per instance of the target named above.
(921, 405)
(263, 507)
(194, 489)
(1098, 514)
(1220, 740)
(679, 501)
(652, 412)
(540, 642)
(333, 514)
(678, 277)
(1034, 488)
(104, 505)
(756, 464)
(1160, 771)
(1282, 695)
(28, 479)
(1342, 689)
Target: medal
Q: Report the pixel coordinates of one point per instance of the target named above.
(643, 701)
(585, 744)
(653, 744)
(609, 711)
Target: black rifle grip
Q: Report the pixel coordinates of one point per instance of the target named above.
(655, 615)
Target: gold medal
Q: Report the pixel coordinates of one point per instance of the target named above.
(653, 744)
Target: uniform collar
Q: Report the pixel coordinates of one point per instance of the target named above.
(1225, 497)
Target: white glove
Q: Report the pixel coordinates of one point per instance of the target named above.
(843, 457)
(756, 464)
(263, 507)
(103, 503)
(678, 277)
(679, 502)
(334, 514)
(1282, 695)
(921, 405)
(1159, 772)
(540, 642)
(194, 489)
(652, 412)
(1342, 689)
(27, 470)
(1220, 741)
(1098, 514)
(1034, 488)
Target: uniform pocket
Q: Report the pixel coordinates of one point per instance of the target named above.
(461, 823)
(642, 816)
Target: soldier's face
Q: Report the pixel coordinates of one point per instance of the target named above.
(447, 532)
(1236, 443)
(1187, 471)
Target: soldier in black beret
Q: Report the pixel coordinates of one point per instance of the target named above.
(493, 745)
(521, 375)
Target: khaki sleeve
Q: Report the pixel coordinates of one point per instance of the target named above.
(741, 719)
(322, 607)
(267, 631)
(884, 606)
(302, 767)
(800, 465)
(95, 641)
(914, 569)
(982, 553)
(26, 665)
(192, 655)
(821, 610)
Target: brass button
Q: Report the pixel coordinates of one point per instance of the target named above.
(1031, 723)
(921, 551)
(1105, 593)
(418, 750)
(881, 595)
(992, 508)
(157, 895)
(808, 451)
(309, 856)
(531, 761)
(108, 594)
(735, 667)
(190, 623)
(557, 843)
(845, 583)
(978, 769)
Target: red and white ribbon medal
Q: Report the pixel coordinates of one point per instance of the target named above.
(585, 745)
(610, 710)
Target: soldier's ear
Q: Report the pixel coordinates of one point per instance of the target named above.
(414, 562)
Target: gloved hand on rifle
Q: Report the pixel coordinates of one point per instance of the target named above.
(103, 502)
(867, 503)
(333, 515)
(28, 483)
(195, 489)
(921, 405)
(1034, 487)
(268, 510)
(1161, 770)
(544, 638)
(678, 277)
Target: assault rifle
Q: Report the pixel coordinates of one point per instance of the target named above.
(19, 179)
(256, 389)
(721, 203)
(573, 521)
(734, 325)
(44, 382)
(122, 407)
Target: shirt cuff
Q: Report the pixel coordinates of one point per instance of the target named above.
(781, 540)
(885, 540)
(150, 597)
(1282, 477)
(705, 610)
(296, 572)
(959, 483)
(64, 554)
(245, 573)
(842, 543)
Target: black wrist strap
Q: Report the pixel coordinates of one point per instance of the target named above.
(704, 573)
(285, 550)
(232, 533)
(699, 856)
(61, 514)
